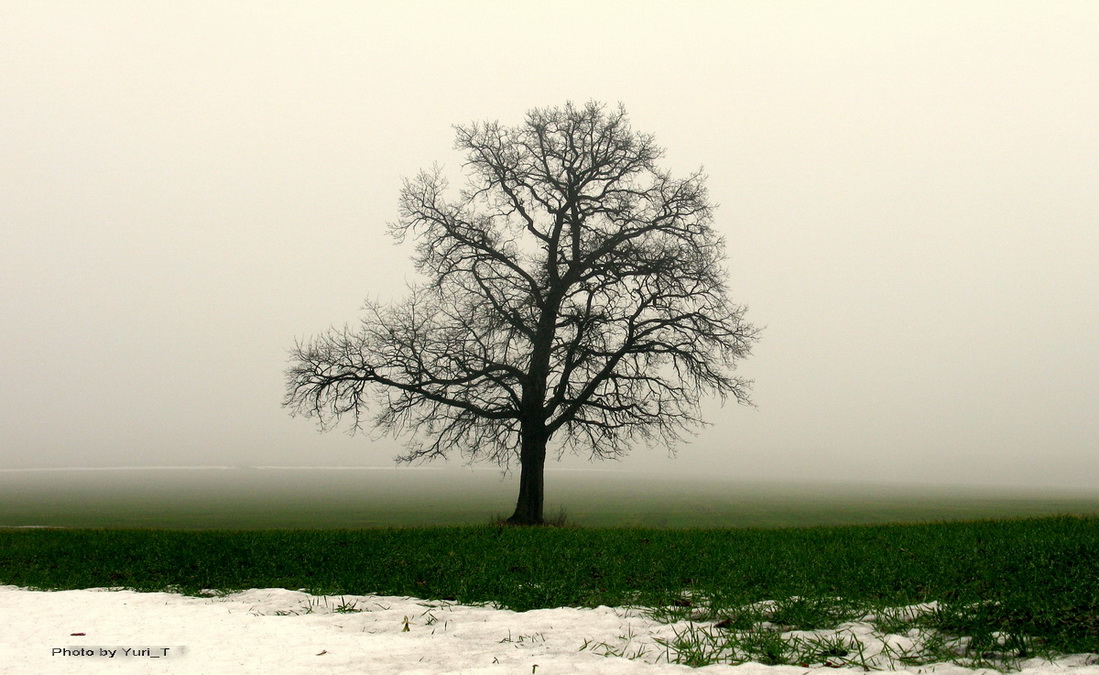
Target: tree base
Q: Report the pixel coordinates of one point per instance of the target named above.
(523, 521)
(559, 520)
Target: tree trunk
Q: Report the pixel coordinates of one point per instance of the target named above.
(532, 464)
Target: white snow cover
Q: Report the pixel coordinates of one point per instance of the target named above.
(280, 631)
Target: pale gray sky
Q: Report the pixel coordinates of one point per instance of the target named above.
(908, 190)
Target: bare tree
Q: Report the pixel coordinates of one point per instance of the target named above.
(574, 293)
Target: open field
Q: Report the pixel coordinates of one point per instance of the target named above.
(355, 498)
(1015, 589)
(722, 572)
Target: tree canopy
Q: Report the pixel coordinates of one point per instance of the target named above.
(573, 295)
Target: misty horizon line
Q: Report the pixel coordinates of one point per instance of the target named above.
(811, 485)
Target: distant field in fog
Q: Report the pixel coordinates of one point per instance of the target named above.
(355, 498)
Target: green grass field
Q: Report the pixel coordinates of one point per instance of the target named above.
(1017, 587)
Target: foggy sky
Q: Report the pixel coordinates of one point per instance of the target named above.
(908, 191)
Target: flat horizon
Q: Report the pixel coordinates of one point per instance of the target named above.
(320, 497)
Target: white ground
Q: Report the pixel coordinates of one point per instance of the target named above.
(278, 631)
